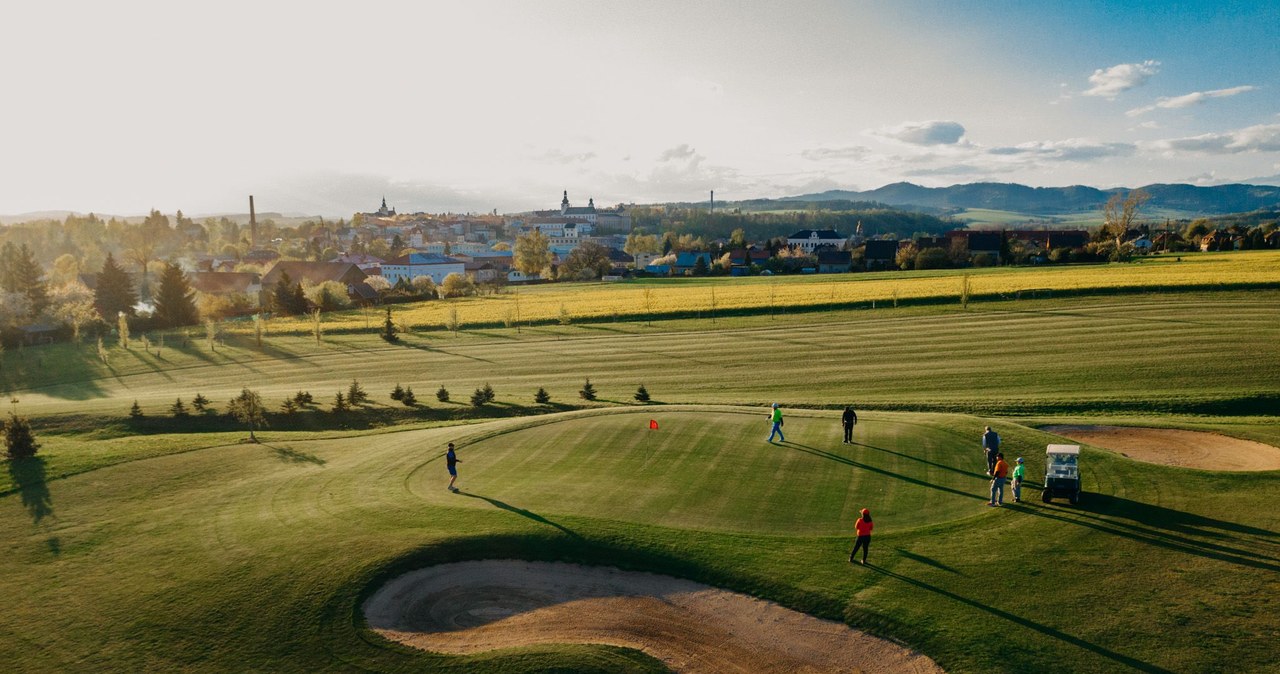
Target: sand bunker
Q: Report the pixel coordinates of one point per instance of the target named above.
(478, 606)
(1189, 449)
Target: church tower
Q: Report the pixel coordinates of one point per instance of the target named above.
(564, 203)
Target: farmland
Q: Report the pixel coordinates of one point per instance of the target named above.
(670, 298)
(163, 544)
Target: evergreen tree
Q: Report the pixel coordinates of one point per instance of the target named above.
(389, 328)
(19, 442)
(355, 393)
(178, 409)
(478, 398)
(397, 393)
(289, 407)
(339, 403)
(588, 391)
(642, 395)
(303, 398)
(199, 403)
(175, 300)
(542, 397)
(409, 399)
(489, 395)
(114, 292)
(9, 281)
(443, 394)
(30, 277)
(136, 410)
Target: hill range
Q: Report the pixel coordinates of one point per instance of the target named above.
(1213, 200)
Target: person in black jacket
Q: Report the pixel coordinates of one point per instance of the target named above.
(849, 419)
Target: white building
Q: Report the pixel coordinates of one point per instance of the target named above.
(809, 239)
(413, 265)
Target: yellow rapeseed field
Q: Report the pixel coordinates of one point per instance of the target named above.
(636, 299)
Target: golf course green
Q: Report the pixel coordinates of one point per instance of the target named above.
(166, 544)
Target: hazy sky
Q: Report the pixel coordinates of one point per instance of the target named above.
(323, 107)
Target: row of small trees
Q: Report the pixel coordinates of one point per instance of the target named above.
(354, 395)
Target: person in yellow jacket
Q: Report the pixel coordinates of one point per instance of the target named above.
(998, 474)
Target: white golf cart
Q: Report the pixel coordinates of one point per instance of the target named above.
(1062, 473)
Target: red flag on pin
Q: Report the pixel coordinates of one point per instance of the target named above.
(653, 424)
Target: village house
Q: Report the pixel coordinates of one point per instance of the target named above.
(834, 261)
(977, 242)
(881, 254)
(367, 263)
(225, 283)
(407, 267)
(314, 273)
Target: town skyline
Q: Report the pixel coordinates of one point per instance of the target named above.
(446, 107)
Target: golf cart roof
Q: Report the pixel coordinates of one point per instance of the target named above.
(1063, 449)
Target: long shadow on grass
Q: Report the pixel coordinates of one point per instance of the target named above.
(850, 462)
(1155, 536)
(966, 473)
(522, 512)
(1019, 620)
(29, 475)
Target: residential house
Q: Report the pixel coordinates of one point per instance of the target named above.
(809, 240)
(408, 267)
(315, 273)
(225, 283)
(688, 261)
(834, 261)
(1216, 240)
(881, 254)
(977, 242)
(367, 263)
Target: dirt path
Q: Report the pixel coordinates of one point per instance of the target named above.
(1189, 449)
(478, 606)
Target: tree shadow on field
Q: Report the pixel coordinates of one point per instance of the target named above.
(291, 455)
(522, 512)
(1164, 528)
(929, 561)
(29, 475)
(1050, 632)
(880, 471)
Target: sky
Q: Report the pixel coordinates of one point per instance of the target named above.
(322, 108)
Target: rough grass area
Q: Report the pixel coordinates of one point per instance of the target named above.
(257, 556)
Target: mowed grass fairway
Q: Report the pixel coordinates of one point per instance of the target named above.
(167, 545)
(256, 557)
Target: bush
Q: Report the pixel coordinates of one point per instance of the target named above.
(642, 395)
(1061, 255)
(19, 442)
(588, 391)
(984, 260)
(478, 399)
(932, 258)
(397, 393)
(542, 397)
(136, 410)
(443, 394)
(409, 399)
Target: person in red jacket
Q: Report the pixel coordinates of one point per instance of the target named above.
(863, 528)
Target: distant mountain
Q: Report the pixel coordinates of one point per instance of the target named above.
(1213, 200)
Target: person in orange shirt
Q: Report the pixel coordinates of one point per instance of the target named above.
(863, 528)
(998, 475)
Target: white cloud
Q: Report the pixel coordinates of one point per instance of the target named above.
(850, 152)
(1110, 82)
(934, 132)
(681, 151)
(1188, 100)
(1070, 149)
(1257, 138)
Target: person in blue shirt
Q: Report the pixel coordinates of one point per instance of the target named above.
(991, 444)
(451, 462)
